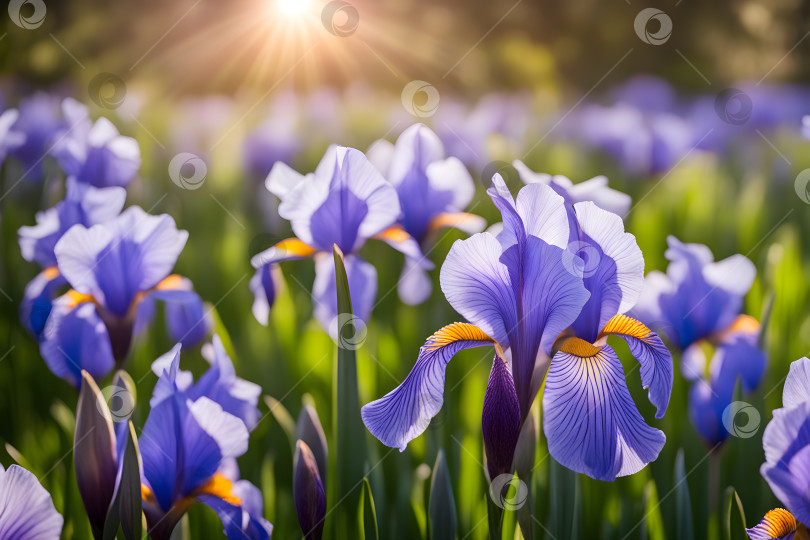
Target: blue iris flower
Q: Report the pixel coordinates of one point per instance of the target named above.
(343, 203)
(112, 268)
(26, 508)
(548, 313)
(787, 459)
(433, 191)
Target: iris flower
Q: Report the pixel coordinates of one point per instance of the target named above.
(84, 205)
(433, 191)
(38, 124)
(787, 454)
(343, 203)
(95, 153)
(532, 298)
(26, 508)
(112, 268)
(188, 445)
(697, 303)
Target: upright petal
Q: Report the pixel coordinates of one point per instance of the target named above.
(26, 509)
(797, 384)
(405, 412)
(789, 481)
(590, 420)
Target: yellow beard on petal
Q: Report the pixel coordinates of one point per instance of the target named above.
(779, 522)
(622, 324)
(456, 332)
(577, 347)
(221, 487)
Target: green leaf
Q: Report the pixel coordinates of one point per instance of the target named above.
(126, 509)
(683, 506)
(368, 513)
(563, 483)
(442, 504)
(284, 419)
(653, 521)
(762, 341)
(222, 332)
(350, 437)
(734, 522)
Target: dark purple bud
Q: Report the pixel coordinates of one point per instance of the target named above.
(310, 431)
(310, 497)
(500, 421)
(94, 453)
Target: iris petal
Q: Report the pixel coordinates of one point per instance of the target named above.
(590, 420)
(778, 524)
(26, 509)
(797, 384)
(405, 412)
(362, 287)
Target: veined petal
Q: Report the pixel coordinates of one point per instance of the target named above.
(789, 481)
(778, 524)
(405, 412)
(651, 353)
(797, 384)
(590, 420)
(477, 285)
(26, 509)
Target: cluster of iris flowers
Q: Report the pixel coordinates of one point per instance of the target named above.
(544, 290)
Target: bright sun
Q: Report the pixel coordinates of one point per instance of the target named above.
(292, 8)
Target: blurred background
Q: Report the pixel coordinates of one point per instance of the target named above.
(695, 109)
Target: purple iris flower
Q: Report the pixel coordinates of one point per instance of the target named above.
(343, 203)
(188, 445)
(112, 267)
(433, 191)
(37, 126)
(9, 140)
(84, 205)
(787, 459)
(26, 508)
(698, 303)
(544, 309)
(95, 153)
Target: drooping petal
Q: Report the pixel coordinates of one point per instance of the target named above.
(362, 287)
(739, 356)
(263, 285)
(591, 423)
(414, 285)
(400, 240)
(405, 412)
(75, 338)
(500, 421)
(468, 223)
(26, 509)
(653, 356)
(239, 523)
(707, 402)
(778, 524)
(613, 269)
(789, 481)
(797, 384)
(693, 362)
(38, 298)
(786, 434)
(286, 250)
(477, 285)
